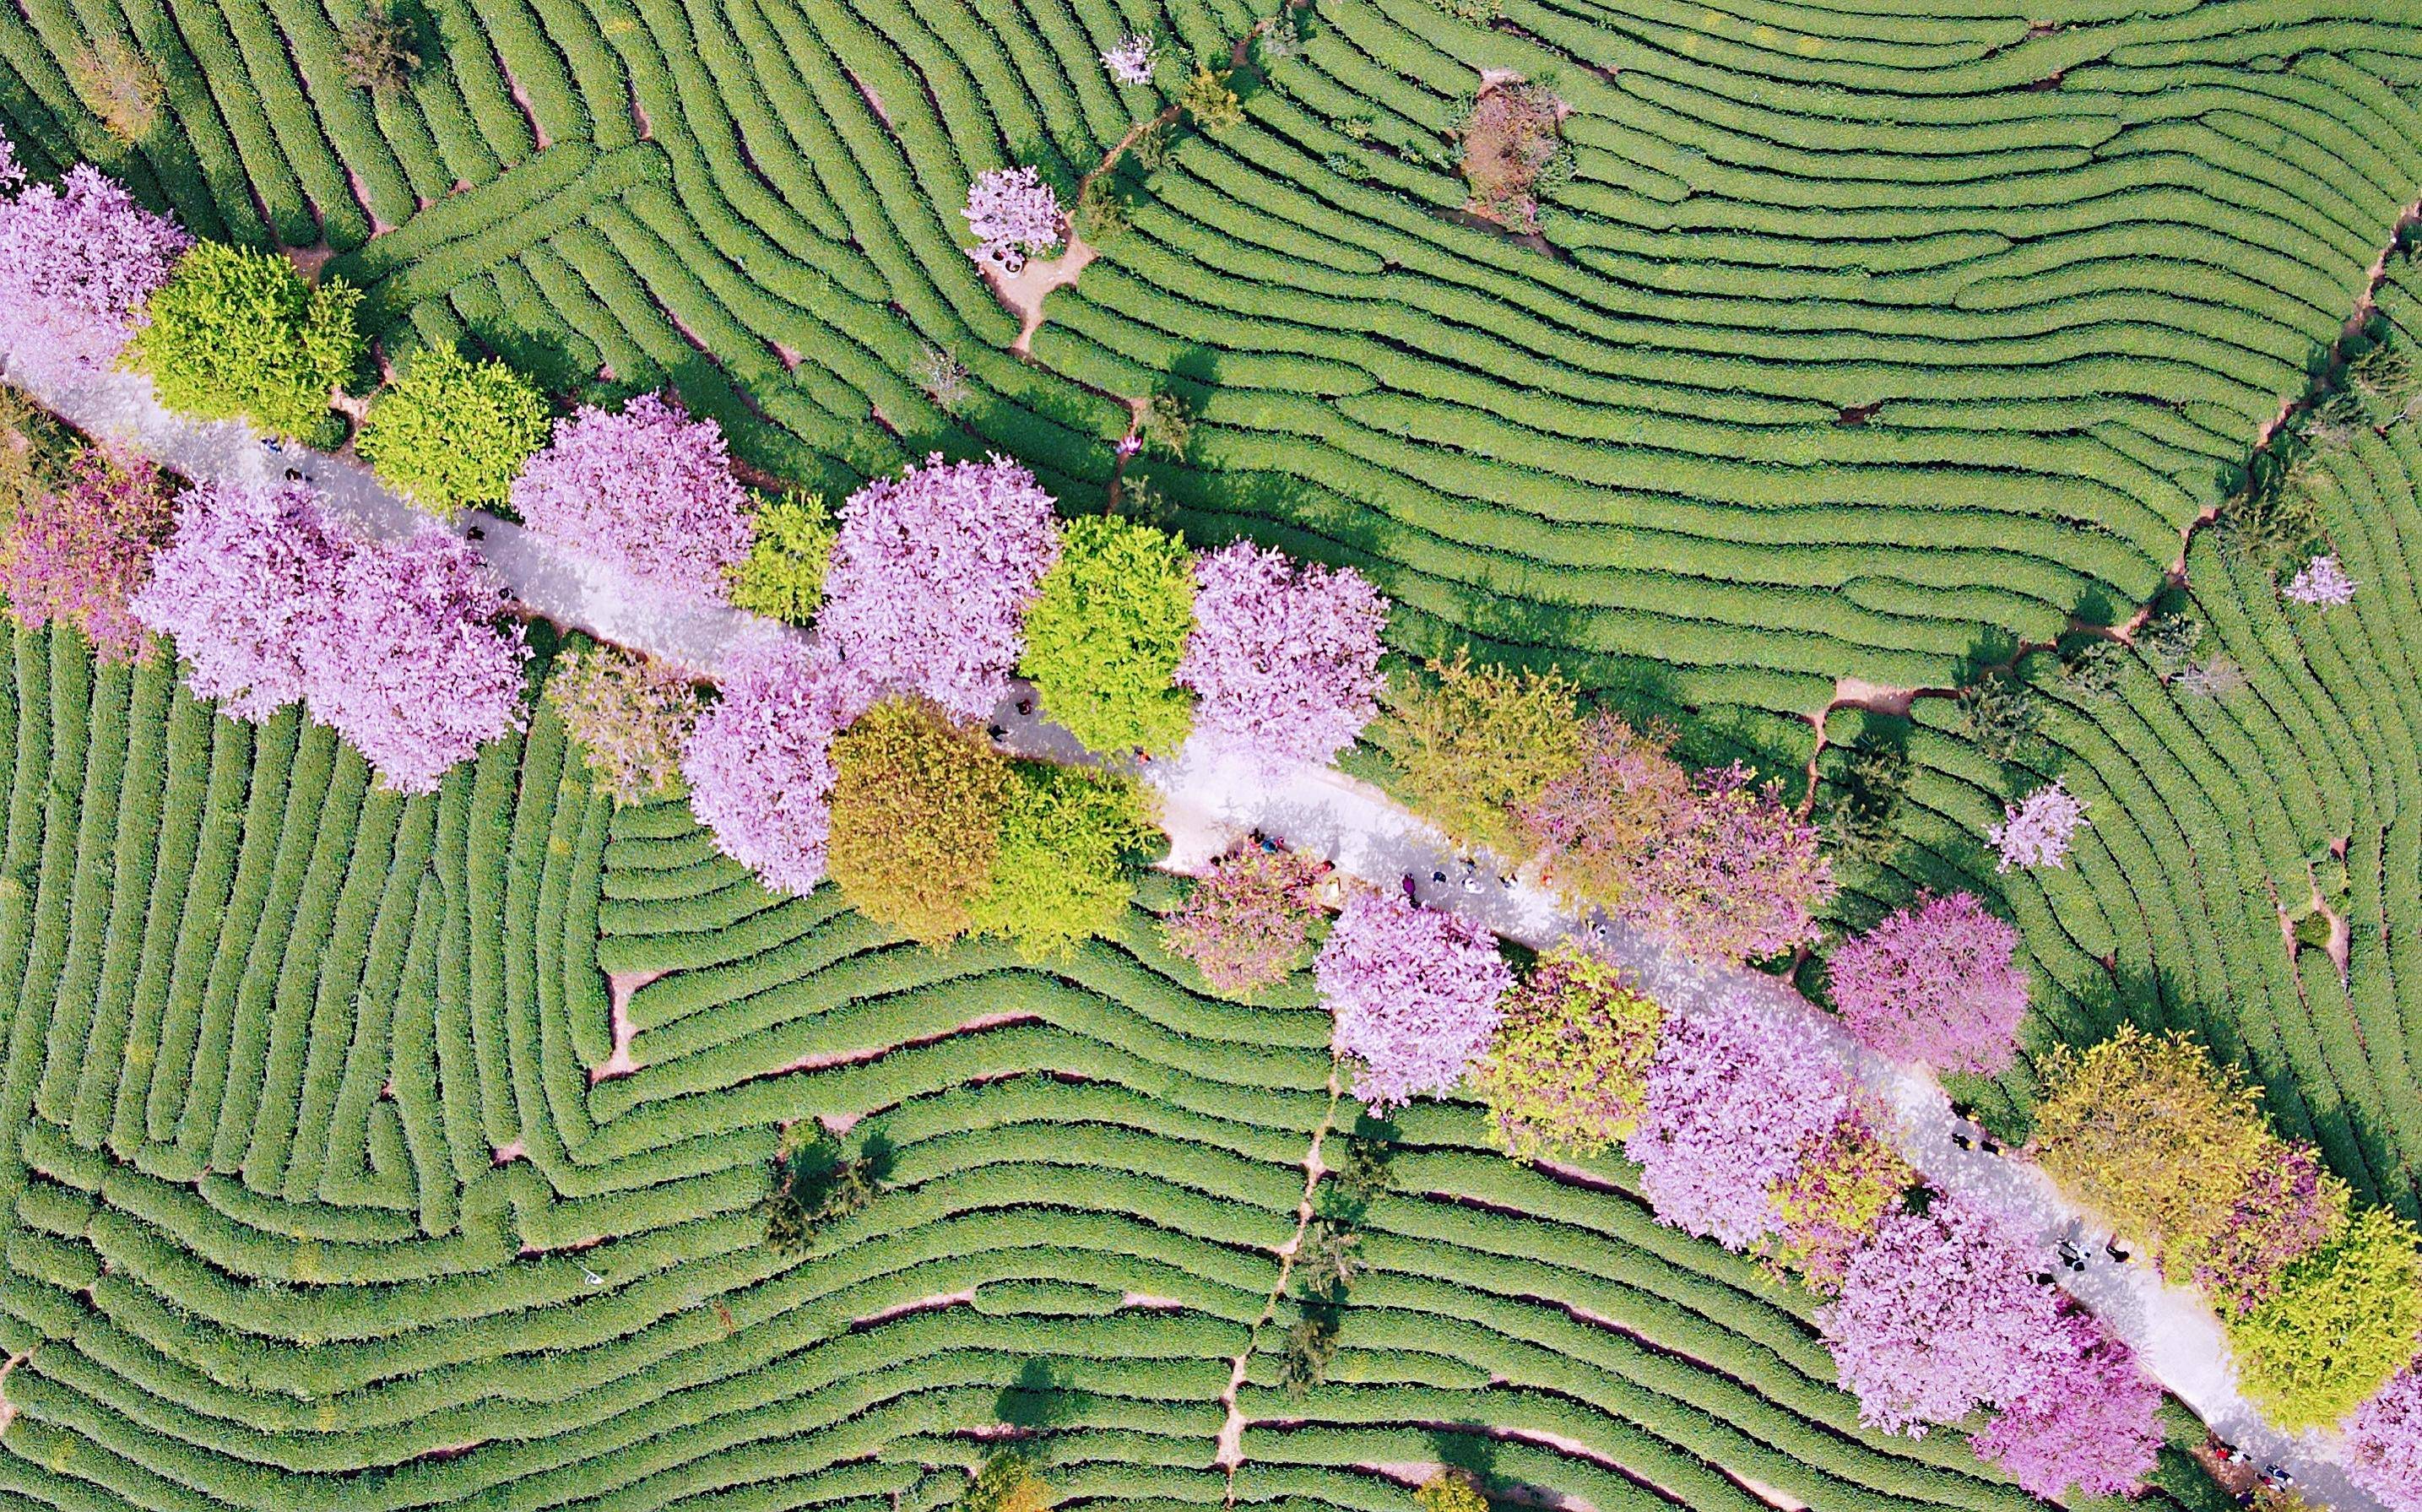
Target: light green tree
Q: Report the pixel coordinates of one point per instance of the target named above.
(1106, 632)
(2343, 1320)
(238, 334)
(1063, 872)
(450, 432)
(790, 549)
(1475, 744)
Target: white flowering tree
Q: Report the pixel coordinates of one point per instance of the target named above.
(1132, 60)
(1012, 213)
(2321, 583)
(2035, 830)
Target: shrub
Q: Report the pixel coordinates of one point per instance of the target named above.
(2001, 715)
(450, 432)
(1413, 994)
(1007, 1483)
(2343, 1320)
(1479, 747)
(816, 1183)
(759, 762)
(1063, 872)
(1510, 135)
(1106, 632)
(1735, 1096)
(790, 550)
(648, 492)
(238, 334)
(79, 263)
(1568, 1066)
(1605, 812)
(1285, 656)
(917, 809)
(81, 552)
(1846, 1180)
(932, 573)
(2037, 831)
(123, 87)
(2385, 1443)
(1449, 1491)
(1934, 983)
(1012, 213)
(628, 716)
(1863, 825)
(1248, 923)
(377, 49)
(1209, 101)
(2088, 1426)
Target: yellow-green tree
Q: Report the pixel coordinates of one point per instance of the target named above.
(2343, 1320)
(1569, 1061)
(915, 818)
(1007, 1483)
(450, 432)
(1106, 632)
(1065, 867)
(1449, 1491)
(1474, 745)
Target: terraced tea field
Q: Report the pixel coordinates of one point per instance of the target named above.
(313, 1202)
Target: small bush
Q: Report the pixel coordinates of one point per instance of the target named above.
(122, 87)
(790, 549)
(628, 716)
(450, 432)
(378, 50)
(1209, 100)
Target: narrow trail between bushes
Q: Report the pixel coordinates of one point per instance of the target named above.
(1211, 802)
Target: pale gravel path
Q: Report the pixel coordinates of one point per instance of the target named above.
(1209, 803)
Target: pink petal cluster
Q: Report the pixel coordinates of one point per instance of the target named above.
(1248, 921)
(759, 763)
(1735, 1095)
(77, 264)
(1941, 1311)
(2036, 830)
(1934, 983)
(1285, 656)
(2088, 1426)
(648, 492)
(81, 553)
(1413, 993)
(1013, 212)
(1131, 61)
(1737, 876)
(2385, 1443)
(392, 644)
(2322, 581)
(931, 575)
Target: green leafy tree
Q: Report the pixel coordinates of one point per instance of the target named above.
(1863, 822)
(1449, 1491)
(790, 546)
(1569, 1063)
(915, 818)
(238, 334)
(377, 49)
(451, 433)
(1070, 837)
(1106, 631)
(2343, 1320)
(1209, 100)
(1479, 744)
(2000, 713)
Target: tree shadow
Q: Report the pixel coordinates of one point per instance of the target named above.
(1466, 1447)
(542, 357)
(1039, 1398)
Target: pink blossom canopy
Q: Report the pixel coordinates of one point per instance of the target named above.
(2385, 1443)
(1285, 656)
(240, 589)
(1934, 983)
(2090, 1425)
(81, 552)
(760, 764)
(77, 264)
(2036, 830)
(1413, 993)
(648, 492)
(1735, 1095)
(931, 575)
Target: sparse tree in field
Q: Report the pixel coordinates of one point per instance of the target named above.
(1413, 994)
(916, 805)
(1166, 426)
(646, 491)
(628, 716)
(1328, 1258)
(2037, 831)
(1209, 101)
(2210, 678)
(450, 433)
(1070, 839)
(238, 334)
(2385, 1443)
(1567, 1069)
(1477, 748)
(1863, 824)
(1101, 210)
(2092, 673)
(943, 378)
(1105, 633)
(1248, 923)
(80, 552)
(1449, 1489)
(123, 87)
(1285, 656)
(79, 261)
(759, 763)
(1307, 1351)
(2321, 583)
(2001, 715)
(932, 574)
(1508, 135)
(790, 551)
(1012, 214)
(2168, 642)
(1936, 983)
(816, 1181)
(377, 49)
(1008, 1483)
(1131, 61)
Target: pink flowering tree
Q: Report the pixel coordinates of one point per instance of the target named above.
(1011, 212)
(2385, 1443)
(759, 764)
(932, 571)
(2089, 1425)
(1940, 1312)
(1414, 995)
(2321, 582)
(1934, 983)
(1248, 923)
(2289, 1206)
(78, 261)
(1285, 656)
(393, 644)
(2037, 831)
(647, 492)
(1735, 1095)
(80, 553)
(1737, 876)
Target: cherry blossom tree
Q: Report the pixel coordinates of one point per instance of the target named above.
(1843, 1186)
(1941, 1312)
(1414, 994)
(1735, 874)
(240, 588)
(1285, 656)
(930, 574)
(1934, 983)
(2037, 831)
(2288, 1206)
(1248, 921)
(647, 492)
(2385, 1443)
(759, 762)
(1131, 60)
(79, 553)
(78, 263)
(2321, 582)
(1735, 1095)
(2089, 1425)
(1013, 212)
